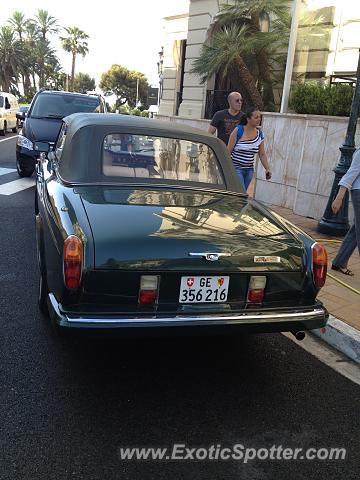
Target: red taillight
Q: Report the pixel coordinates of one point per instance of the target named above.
(148, 292)
(256, 290)
(73, 261)
(147, 297)
(319, 264)
(256, 296)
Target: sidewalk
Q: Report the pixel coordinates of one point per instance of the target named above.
(343, 331)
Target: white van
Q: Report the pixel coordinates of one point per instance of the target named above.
(8, 108)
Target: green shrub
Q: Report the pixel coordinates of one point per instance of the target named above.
(123, 109)
(339, 100)
(315, 98)
(136, 112)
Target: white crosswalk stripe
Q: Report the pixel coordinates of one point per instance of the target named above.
(5, 171)
(10, 138)
(14, 186)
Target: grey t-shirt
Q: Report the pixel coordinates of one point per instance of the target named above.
(225, 123)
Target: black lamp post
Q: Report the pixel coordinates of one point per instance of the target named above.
(160, 65)
(338, 224)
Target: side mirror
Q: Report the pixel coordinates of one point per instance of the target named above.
(42, 147)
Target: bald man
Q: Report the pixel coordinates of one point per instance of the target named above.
(224, 121)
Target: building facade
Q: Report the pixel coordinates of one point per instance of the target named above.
(328, 39)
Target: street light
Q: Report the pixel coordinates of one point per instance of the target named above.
(338, 224)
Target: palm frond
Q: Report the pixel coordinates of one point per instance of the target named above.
(225, 45)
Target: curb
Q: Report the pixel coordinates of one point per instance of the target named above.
(341, 336)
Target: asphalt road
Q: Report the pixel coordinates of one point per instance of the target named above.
(68, 405)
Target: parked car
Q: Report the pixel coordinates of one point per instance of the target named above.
(161, 237)
(8, 108)
(43, 122)
(21, 115)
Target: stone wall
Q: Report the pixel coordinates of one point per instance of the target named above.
(302, 150)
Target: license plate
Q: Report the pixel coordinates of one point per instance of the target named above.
(203, 289)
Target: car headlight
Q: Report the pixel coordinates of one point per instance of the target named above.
(24, 142)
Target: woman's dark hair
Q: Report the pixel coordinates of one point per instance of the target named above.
(248, 114)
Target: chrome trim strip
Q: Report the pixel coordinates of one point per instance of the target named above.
(204, 320)
(209, 255)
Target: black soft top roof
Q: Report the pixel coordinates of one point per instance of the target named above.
(82, 152)
(130, 123)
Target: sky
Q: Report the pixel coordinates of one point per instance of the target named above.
(126, 32)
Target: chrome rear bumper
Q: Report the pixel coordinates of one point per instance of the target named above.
(276, 320)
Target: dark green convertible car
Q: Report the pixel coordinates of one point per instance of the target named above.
(143, 227)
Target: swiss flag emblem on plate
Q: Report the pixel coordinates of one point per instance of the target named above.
(190, 282)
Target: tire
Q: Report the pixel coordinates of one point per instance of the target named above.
(15, 129)
(3, 130)
(23, 172)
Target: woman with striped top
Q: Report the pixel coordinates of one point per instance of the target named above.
(245, 141)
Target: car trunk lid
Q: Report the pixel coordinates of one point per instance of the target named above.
(178, 230)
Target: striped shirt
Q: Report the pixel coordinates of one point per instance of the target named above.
(244, 152)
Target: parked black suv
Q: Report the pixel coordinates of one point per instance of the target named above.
(43, 122)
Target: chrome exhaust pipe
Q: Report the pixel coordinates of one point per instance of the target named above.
(299, 335)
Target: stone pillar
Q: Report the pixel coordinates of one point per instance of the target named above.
(175, 30)
(201, 15)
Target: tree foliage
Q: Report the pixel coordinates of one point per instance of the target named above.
(83, 83)
(27, 53)
(11, 58)
(45, 23)
(125, 84)
(247, 61)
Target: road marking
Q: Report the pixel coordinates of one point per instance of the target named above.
(10, 138)
(5, 171)
(16, 186)
(328, 355)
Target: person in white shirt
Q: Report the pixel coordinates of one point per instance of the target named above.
(350, 181)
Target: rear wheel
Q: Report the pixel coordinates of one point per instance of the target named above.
(3, 130)
(23, 172)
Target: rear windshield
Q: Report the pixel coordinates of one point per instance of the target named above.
(1, 101)
(143, 156)
(59, 106)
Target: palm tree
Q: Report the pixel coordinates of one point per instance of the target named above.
(46, 23)
(43, 23)
(76, 44)
(32, 38)
(11, 58)
(19, 24)
(265, 43)
(44, 55)
(225, 54)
